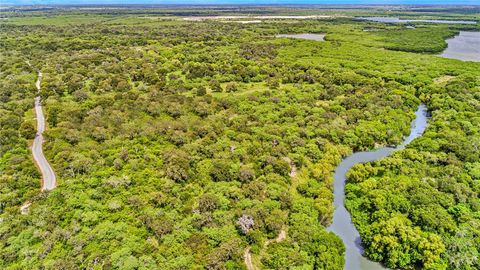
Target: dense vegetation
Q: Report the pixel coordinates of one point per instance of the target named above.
(421, 207)
(19, 177)
(178, 149)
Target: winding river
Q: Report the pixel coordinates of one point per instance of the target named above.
(342, 222)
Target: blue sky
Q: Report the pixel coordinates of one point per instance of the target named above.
(50, 2)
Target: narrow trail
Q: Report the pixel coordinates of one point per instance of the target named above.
(247, 257)
(24, 208)
(282, 235)
(49, 180)
(293, 167)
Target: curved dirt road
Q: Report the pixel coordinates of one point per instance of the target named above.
(48, 175)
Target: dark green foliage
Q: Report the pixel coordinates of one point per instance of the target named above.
(421, 40)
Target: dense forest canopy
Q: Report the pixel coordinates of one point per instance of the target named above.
(179, 144)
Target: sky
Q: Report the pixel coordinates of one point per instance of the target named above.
(386, 2)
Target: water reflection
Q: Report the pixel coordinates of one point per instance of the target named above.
(465, 46)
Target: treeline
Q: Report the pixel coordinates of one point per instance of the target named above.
(419, 40)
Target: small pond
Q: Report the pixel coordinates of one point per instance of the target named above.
(317, 37)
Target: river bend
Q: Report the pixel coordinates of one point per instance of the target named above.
(342, 222)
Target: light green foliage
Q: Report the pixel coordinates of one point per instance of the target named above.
(162, 137)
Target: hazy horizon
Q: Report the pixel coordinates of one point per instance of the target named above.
(241, 2)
